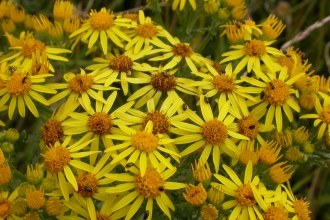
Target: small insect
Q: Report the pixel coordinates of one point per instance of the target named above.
(20, 8)
(242, 21)
(247, 41)
(206, 100)
(161, 188)
(303, 56)
(146, 214)
(23, 80)
(130, 164)
(252, 127)
(128, 73)
(88, 189)
(262, 94)
(184, 106)
(12, 68)
(272, 85)
(238, 25)
(164, 74)
(284, 51)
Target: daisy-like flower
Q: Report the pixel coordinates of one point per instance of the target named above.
(159, 82)
(253, 51)
(211, 134)
(82, 208)
(6, 201)
(154, 190)
(177, 51)
(144, 33)
(323, 115)
(27, 45)
(247, 196)
(162, 119)
(299, 207)
(95, 124)
(80, 85)
(272, 27)
(142, 145)
(275, 93)
(19, 88)
(104, 25)
(181, 4)
(58, 158)
(123, 64)
(225, 84)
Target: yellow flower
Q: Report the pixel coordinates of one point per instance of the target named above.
(6, 202)
(123, 64)
(182, 3)
(95, 124)
(247, 195)
(104, 25)
(239, 30)
(159, 82)
(278, 173)
(19, 88)
(62, 9)
(177, 51)
(211, 134)
(275, 93)
(17, 14)
(80, 85)
(323, 115)
(58, 158)
(272, 27)
(253, 51)
(209, 212)
(195, 195)
(154, 190)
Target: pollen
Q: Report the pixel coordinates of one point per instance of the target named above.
(163, 83)
(19, 85)
(301, 208)
(102, 20)
(255, 48)
(148, 185)
(277, 92)
(224, 84)
(121, 63)
(100, 123)
(195, 195)
(209, 212)
(100, 216)
(144, 141)
(80, 83)
(244, 196)
(286, 61)
(268, 153)
(5, 174)
(54, 206)
(293, 154)
(35, 198)
(87, 184)
(146, 30)
(277, 213)
(32, 45)
(56, 158)
(249, 127)
(182, 50)
(5, 207)
(278, 173)
(325, 116)
(52, 131)
(214, 132)
(248, 154)
(161, 125)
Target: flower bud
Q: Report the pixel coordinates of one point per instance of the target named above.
(12, 135)
(7, 147)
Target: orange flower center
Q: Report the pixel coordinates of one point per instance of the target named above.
(19, 85)
(214, 132)
(286, 61)
(35, 198)
(277, 92)
(5, 207)
(100, 123)
(224, 84)
(325, 116)
(87, 184)
(148, 186)
(56, 158)
(163, 82)
(5, 176)
(102, 20)
(144, 141)
(52, 131)
(31, 46)
(182, 50)
(255, 48)
(80, 83)
(276, 213)
(301, 209)
(146, 30)
(244, 196)
(249, 127)
(121, 63)
(161, 125)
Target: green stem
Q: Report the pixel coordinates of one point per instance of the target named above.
(158, 11)
(19, 175)
(208, 37)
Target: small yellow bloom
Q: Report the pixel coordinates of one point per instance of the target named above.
(35, 199)
(209, 212)
(278, 173)
(195, 195)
